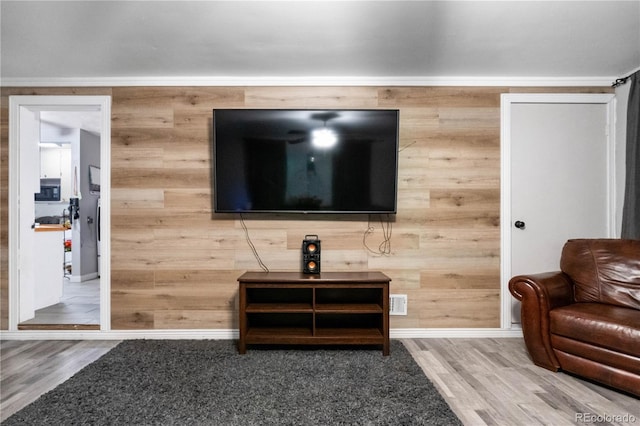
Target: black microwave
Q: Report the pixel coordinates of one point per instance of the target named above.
(49, 190)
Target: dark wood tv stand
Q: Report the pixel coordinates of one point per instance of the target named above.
(331, 308)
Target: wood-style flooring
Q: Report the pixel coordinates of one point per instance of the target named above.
(79, 309)
(485, 381)
(493, 382)
(29, 369)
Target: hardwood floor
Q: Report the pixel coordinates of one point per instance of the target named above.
(485, 381)
(29, 369)
(79, 308)
(493, 382)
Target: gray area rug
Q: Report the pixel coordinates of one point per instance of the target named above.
(206, 382)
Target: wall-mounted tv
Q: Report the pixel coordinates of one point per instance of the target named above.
(305, 161)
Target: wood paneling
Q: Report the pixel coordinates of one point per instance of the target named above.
(174, 263)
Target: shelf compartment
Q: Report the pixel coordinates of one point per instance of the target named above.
(287, 295)
(348, 321)
(284, 320)
(348, 295)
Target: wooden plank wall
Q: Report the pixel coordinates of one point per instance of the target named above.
(175, 263)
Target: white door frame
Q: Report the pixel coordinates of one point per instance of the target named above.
(507, 100)
(59, 103)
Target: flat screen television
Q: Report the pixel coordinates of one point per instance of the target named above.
(305, 161)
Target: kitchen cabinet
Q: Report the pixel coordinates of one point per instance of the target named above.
(56, 163)
(49, 273)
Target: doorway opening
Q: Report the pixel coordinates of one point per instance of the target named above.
(59, 174)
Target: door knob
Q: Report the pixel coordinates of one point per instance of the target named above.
(519, 224)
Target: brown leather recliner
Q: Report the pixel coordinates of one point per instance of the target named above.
(585, 318)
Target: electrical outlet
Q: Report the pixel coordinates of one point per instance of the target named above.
(397, 304)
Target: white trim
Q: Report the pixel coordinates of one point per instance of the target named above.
(232, 334)
(309, 81)
(505, 210)
(52, 103)
(507, 100)
(13, 187)
(561, 98)
(82, 278)
(611, 164)
(105, 213)
(453, 333)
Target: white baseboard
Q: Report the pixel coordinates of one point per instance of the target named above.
(221, 334)
(230, 334)
(82, 278)
(453, 333)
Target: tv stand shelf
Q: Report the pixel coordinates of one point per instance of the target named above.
(332, 308)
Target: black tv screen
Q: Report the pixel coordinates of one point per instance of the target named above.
(305, 161)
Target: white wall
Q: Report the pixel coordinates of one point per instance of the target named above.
(84, 247)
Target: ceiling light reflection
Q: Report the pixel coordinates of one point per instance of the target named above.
(323, 138)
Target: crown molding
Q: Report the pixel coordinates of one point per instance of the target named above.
(308, 81)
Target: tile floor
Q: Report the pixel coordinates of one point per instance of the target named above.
(80, 304)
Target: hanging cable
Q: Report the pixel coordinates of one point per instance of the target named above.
(406, 146)
(253, 248)
(620, 81)
(384, 249)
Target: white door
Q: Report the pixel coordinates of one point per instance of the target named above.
(29, 185)
(560, 184)
(24, 181)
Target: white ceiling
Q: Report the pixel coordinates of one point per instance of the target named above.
(86, 120)
(82, 41)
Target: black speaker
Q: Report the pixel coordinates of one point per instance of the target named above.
(311, 254)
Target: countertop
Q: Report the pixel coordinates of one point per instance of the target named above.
(50, 228)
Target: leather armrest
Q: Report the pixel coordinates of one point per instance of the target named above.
(539, 294)
(554, 289)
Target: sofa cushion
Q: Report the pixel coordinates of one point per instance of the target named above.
(621, 361)
(604, 270)
(607, 326)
